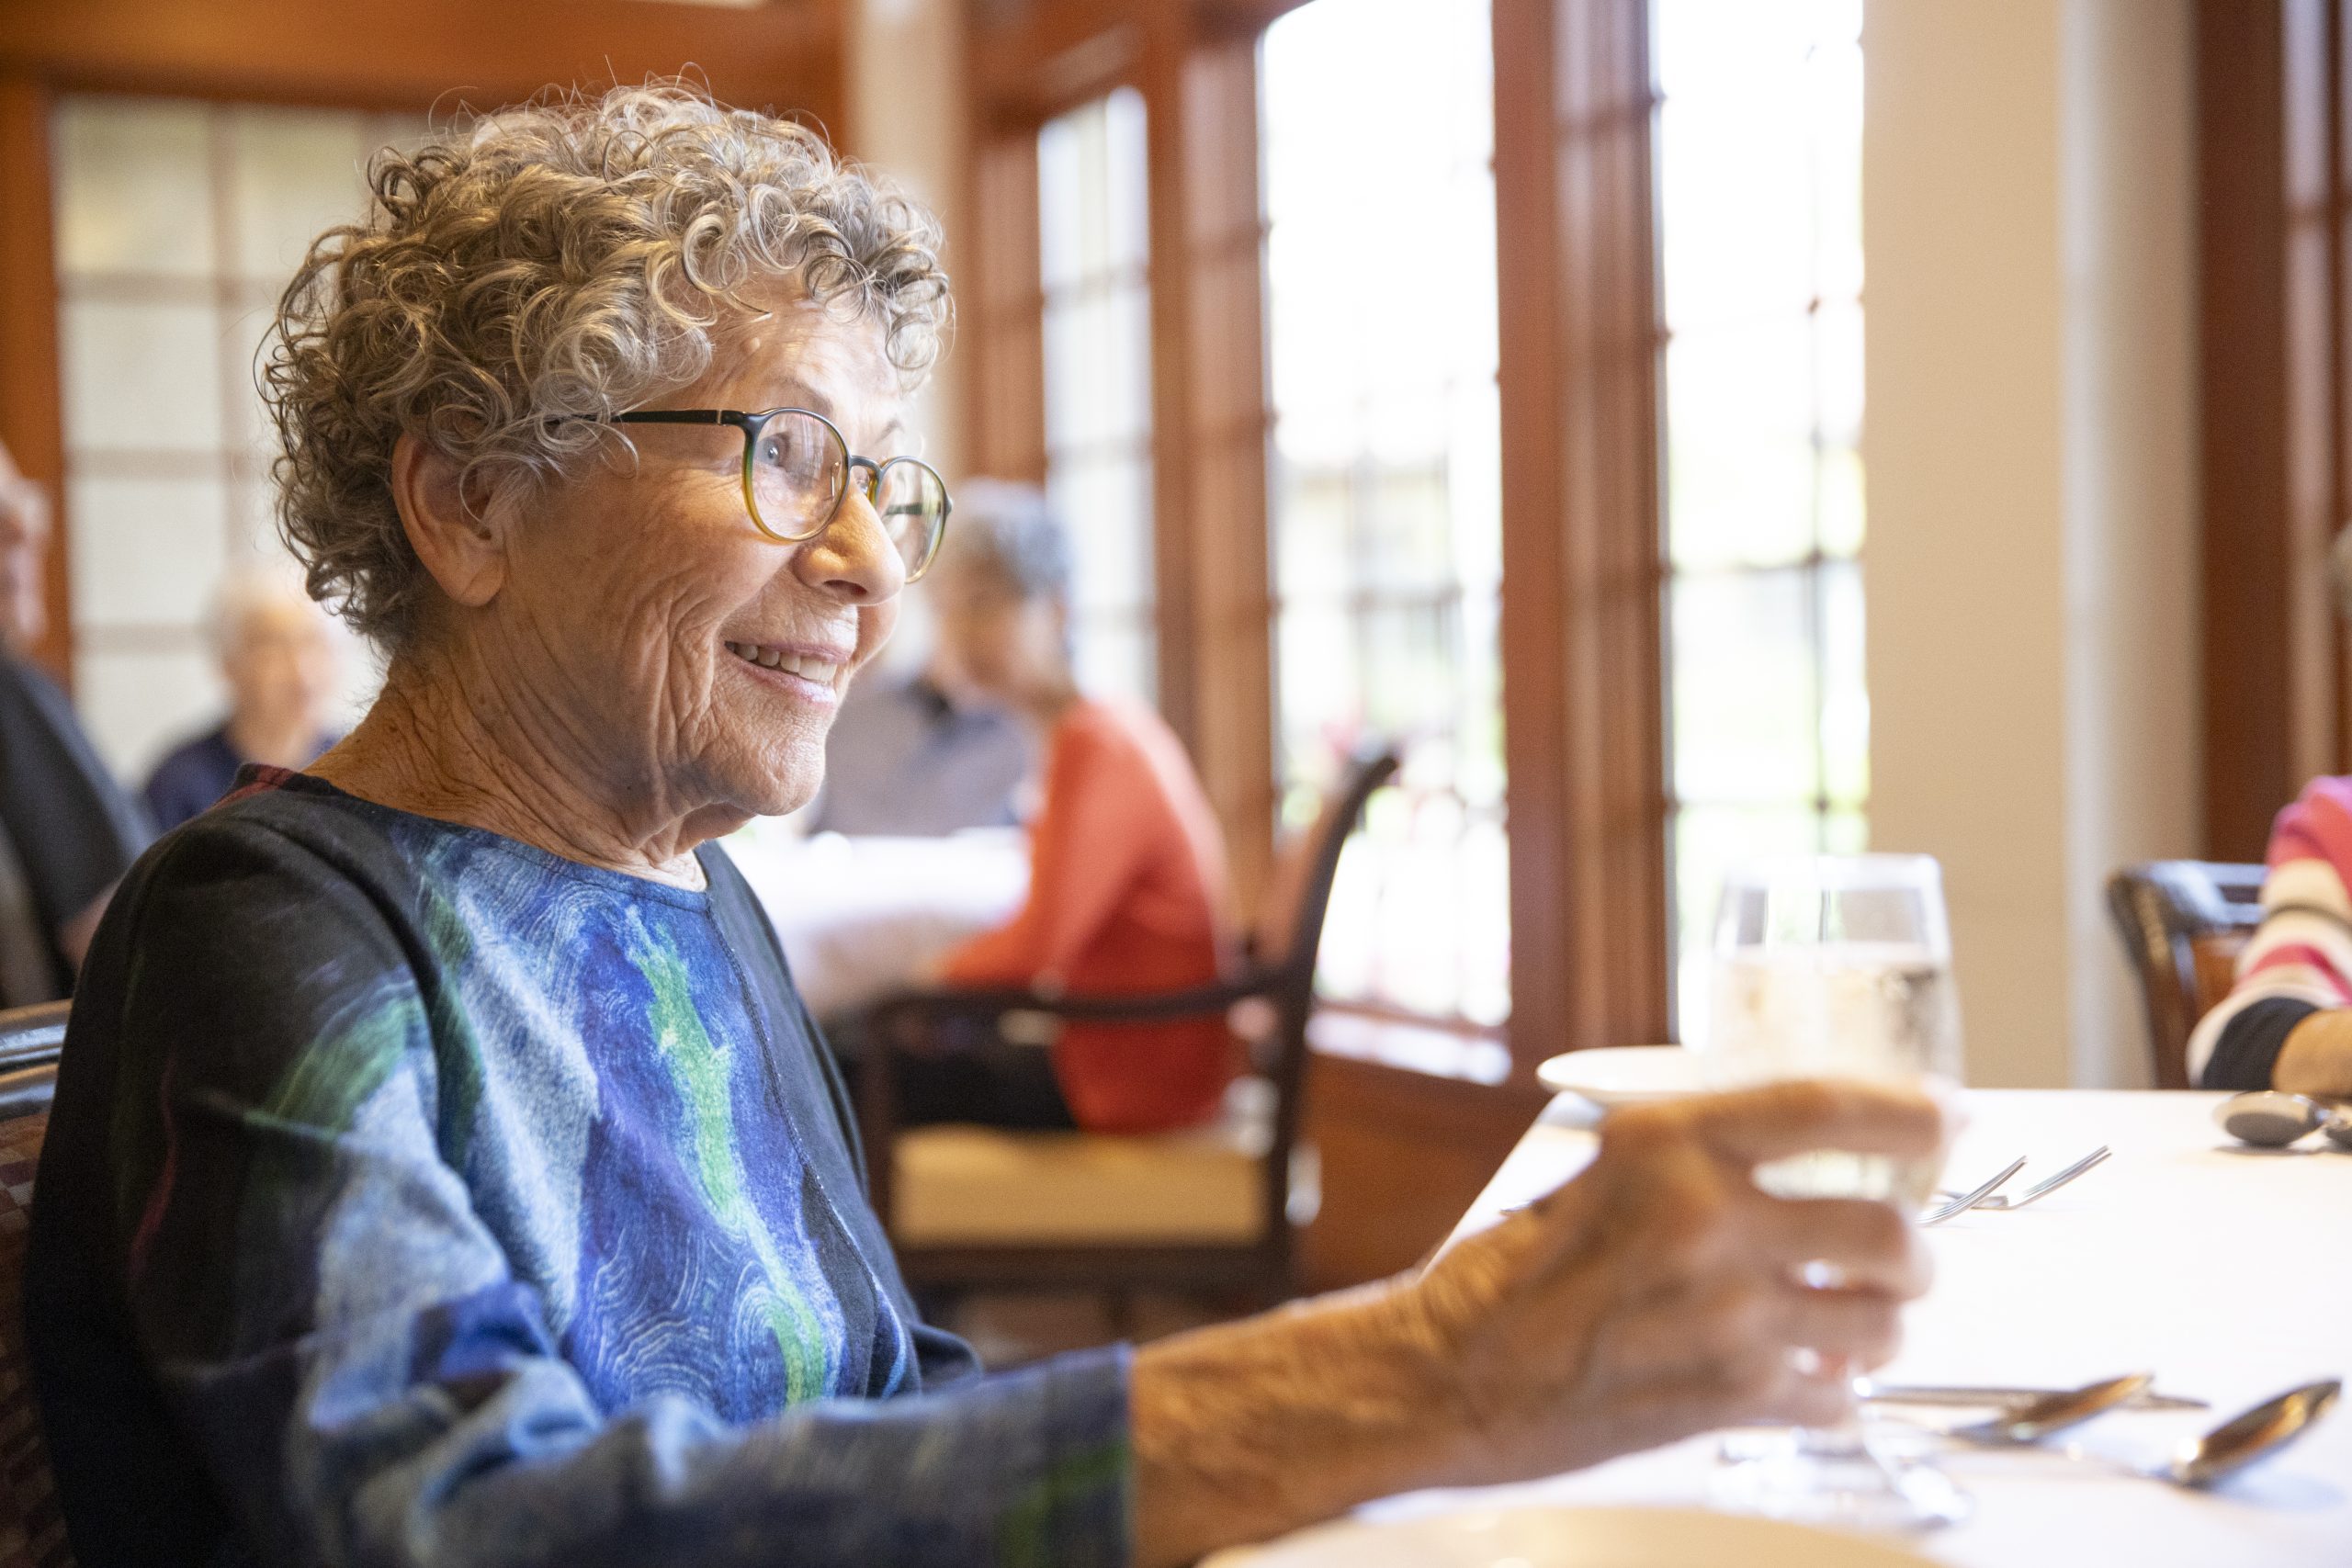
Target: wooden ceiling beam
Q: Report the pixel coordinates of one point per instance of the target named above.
(426, 54)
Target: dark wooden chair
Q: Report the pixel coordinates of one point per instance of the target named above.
(2183, 923)
(1210, 1210)
(32, 1531)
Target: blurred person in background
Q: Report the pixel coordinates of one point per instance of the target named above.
(1127, 882)
(443, 1171)
(277, 653)
(2286, 1022)
(67, 830)
(915, 754)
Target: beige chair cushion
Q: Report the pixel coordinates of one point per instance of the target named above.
(962, 1186)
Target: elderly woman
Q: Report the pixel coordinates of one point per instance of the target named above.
(277, 657)
(443, 1170)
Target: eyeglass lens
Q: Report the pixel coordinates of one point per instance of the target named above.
(912, 505)
(800, 472)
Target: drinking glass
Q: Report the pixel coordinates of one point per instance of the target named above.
(1837, 966)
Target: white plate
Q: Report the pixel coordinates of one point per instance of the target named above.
(1624, 1075)
(1570, 1537)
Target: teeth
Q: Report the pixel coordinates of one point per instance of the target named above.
(807, 667)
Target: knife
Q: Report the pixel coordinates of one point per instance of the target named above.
(1991, 1394)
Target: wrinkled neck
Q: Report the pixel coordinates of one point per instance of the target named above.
(451, 738)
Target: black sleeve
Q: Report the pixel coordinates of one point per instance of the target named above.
(74, 828)
(2251, 1042)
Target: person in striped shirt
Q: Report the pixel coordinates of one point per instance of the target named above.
(2287, 1023)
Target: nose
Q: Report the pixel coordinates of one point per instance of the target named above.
(853, 558)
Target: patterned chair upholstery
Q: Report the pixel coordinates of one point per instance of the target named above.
(32, 1531)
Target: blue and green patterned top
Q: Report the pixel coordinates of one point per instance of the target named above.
(415, 1197)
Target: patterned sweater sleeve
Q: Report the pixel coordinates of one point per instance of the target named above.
(343, 1339)
(2300, 959)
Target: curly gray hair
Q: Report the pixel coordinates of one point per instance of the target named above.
(568, 258)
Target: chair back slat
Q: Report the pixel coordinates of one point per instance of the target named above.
(2183, 922)
(1290, 924)
(32, 1530)
(1295, 914)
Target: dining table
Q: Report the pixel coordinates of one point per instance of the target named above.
(860, 917)
(2223, 1269)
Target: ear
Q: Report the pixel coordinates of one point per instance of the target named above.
(461, 546)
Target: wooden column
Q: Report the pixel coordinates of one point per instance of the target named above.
(1582, 556)
(1167, 35)
(1229, 645)
(1005, 308)
(2272, 174)
(32, 412)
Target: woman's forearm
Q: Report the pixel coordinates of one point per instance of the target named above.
(1658, 1294)
(2317, 1057)
(1249, 1429)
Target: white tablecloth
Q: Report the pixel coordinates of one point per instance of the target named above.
(2226, 1272)
(862, 916)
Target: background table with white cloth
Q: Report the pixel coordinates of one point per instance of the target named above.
(860, 918)
(2225, 1270)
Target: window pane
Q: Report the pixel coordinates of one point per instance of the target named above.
(1759, 205)
(1845, 702)
(1739, 448)
(1838, 374)
(178, 224)
(1737, 217)
(295, 173)
(134, 187)
(1386, 536)
(141, 377)
(1708, 841)
(1093, 246)
(1745, 688)
(1838, 500)
(147, 552)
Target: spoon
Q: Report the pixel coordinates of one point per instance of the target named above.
(2037, 1418)
(2242, 1439)
(2271, 1119)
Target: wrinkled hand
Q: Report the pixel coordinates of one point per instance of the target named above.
(1659, 1294)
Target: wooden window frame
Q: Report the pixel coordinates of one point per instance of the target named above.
(1196, 70)
(1584, 567)
(1583, 558)
(2274, 186)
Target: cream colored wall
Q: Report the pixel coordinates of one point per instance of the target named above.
(907, 119)
(2031, 446)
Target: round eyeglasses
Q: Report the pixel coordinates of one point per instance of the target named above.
(798, 469)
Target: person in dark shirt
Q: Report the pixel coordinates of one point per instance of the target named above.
(277, 653)
(907, 758)
(67, 829)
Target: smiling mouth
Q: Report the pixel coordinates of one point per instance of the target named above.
(808, 666)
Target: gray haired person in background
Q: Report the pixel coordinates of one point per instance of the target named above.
(67, 831)
(924, 754)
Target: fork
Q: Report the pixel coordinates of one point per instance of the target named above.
(1968, 1200)
(2046, 1186)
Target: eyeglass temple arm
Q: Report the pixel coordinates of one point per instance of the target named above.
(673, 416)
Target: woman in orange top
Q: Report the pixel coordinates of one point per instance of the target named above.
(1128, 887)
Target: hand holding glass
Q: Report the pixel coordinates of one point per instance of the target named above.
(1837, 966)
